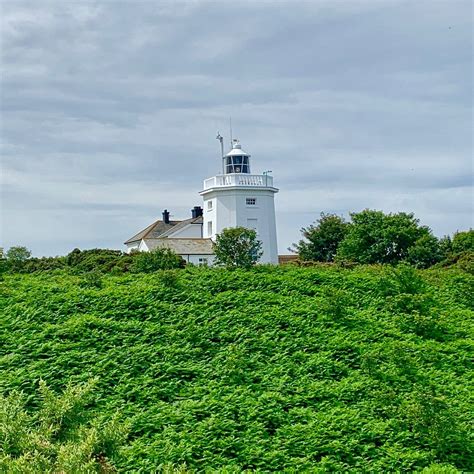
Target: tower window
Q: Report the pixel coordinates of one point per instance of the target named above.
(209, 205)
(209, 228)
(251, 201)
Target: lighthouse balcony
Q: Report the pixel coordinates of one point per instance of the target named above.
(236, 179)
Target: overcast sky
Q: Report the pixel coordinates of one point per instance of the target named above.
(110, 111)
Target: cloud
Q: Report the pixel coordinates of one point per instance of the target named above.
(110, 111)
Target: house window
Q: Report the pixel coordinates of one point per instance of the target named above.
(209, 228)
(251, 201)
(203, 261)
(209, 205)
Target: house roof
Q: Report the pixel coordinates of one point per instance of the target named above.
(182, 246)
(159, 228)
(181, 225)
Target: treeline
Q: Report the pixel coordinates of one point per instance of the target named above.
(19, 260)
(370, 237)
(373, 237)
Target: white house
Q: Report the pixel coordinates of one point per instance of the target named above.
(231, 199)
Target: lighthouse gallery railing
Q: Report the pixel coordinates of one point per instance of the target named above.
(238, 180)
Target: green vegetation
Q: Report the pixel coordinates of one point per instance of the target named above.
(96, 261)
(321, 239)
(237, 247)
(293, 369)
(56, 438)
(374, 237)
(158, 259)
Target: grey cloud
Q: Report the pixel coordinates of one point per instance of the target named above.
(109, 111)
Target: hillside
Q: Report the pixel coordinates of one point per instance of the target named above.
(271, 369)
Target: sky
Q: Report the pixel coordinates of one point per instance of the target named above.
(110, 109)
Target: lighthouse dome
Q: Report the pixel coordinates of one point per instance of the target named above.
(237, 160)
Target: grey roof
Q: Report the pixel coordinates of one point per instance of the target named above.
(182, 246)
(182, 224)
(159, 228)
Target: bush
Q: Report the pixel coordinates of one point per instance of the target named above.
(16, 258)
(321, 239)
(237, 247)
(44, 264)
(375, 237)
(158, 259)
(91, 280)
(463, 241)
(56, 437)
(277, 369)
(425, 252)
(101, 260)
(432, 419)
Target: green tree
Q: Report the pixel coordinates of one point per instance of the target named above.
(56, 438)
(445, 246)
(237, 247)
(375, 237)
(321, 239)
(16, 258)
(158, 259)
(425, 252)
(463, 241)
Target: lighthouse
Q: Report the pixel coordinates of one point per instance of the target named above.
(237, 198)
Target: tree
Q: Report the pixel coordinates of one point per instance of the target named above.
(463, 241)
(16, 258)
(158, 259)
(445, 246)
(425, 252)
(322, 238)
(237, 247)
(58, 437)
(375, 237)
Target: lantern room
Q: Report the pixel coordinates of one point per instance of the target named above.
(236, 161)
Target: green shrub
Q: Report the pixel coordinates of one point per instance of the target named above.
(375, 237)
(237, 247)
(16, 258)
(434, 422)
(91, 280)
(158, 259)
(101, 260)
(169, 278)
(57, 437)
(402, 279)
(268, 369)
(463, 241)
(321, 239)
(44, 264)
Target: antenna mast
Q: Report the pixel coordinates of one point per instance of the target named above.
(231, 140)
(221, 140)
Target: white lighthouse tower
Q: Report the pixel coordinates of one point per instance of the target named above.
(237, 198)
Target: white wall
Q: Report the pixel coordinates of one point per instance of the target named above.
(229, 209)
(195, 259)
(133, 246)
